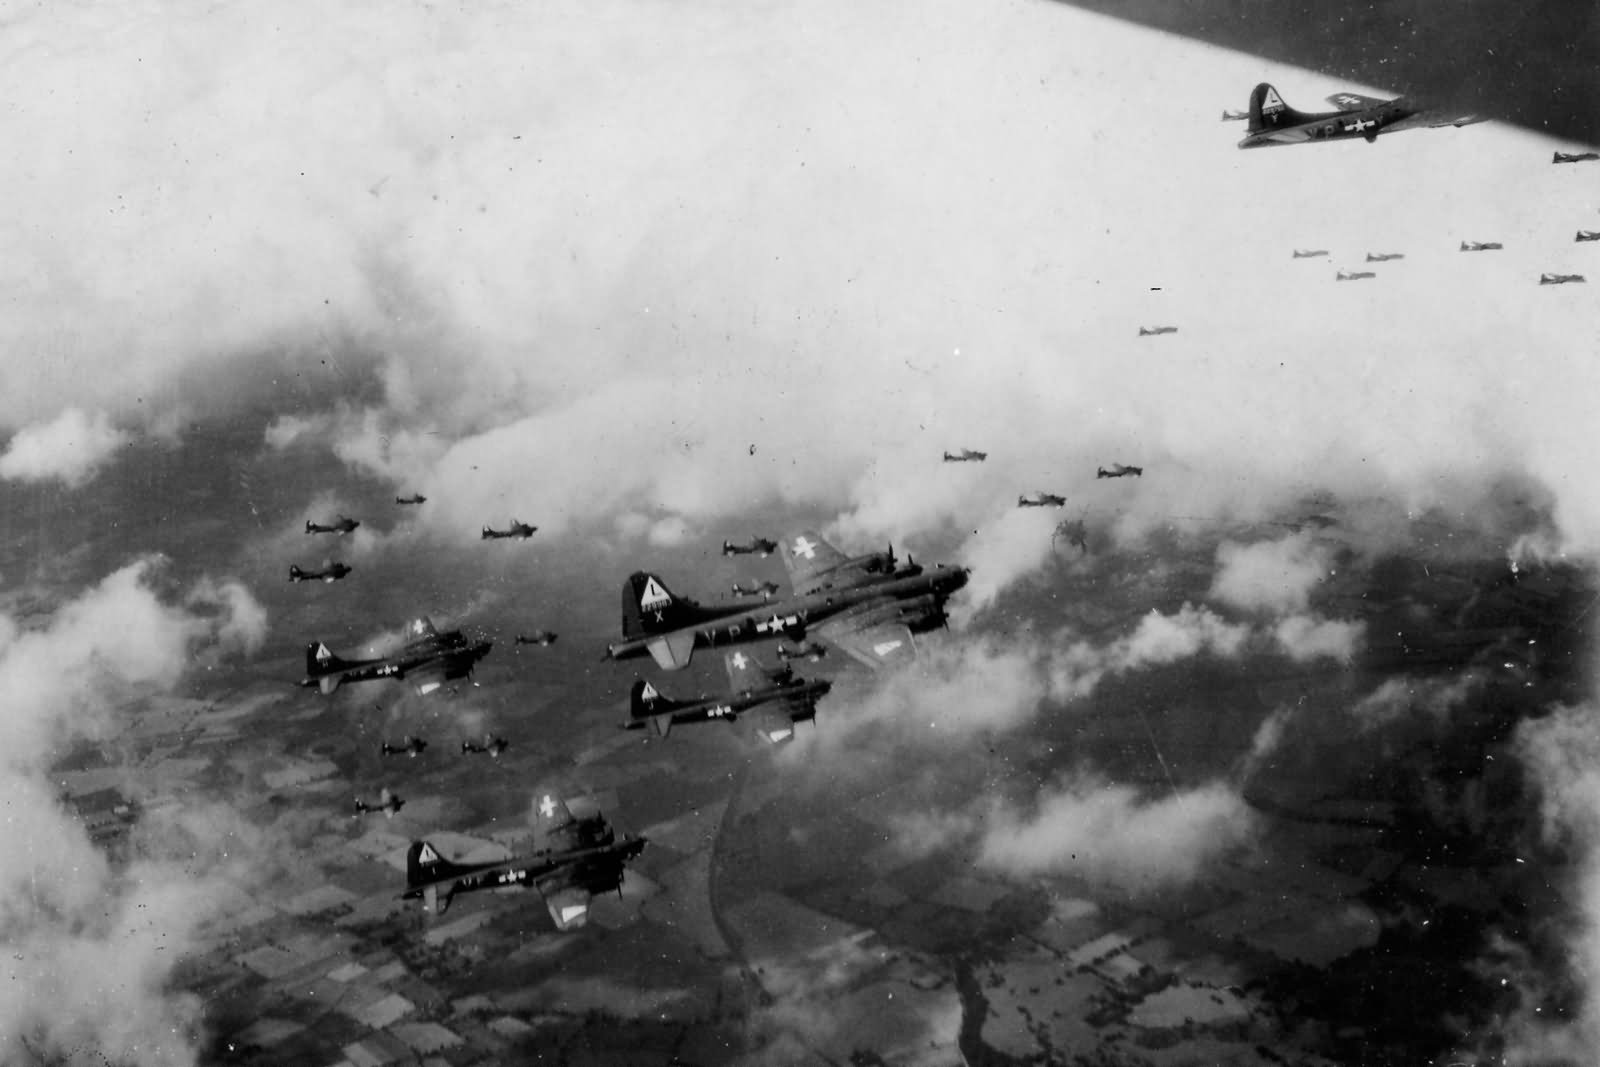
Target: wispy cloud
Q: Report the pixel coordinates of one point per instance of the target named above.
(69, 448)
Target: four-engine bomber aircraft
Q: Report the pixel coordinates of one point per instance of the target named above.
(776, 700)
(542, 638)
(341, 525)
(414, 498)
(1574, 157)
(429, 659)
(1273, 122)
(1156, 331)
(1042, 500)
(756, 546)
(411, 746)
(1118, 470)
(966, 455)
(864, 605)
(388, 803)
(1586, 235)
(331, 571)
(1384, 257)
(492, 747)
(1481, 246)
(518, 529)
(572, 860)
(1559, 279)
(1353, 275)
(1308, 253)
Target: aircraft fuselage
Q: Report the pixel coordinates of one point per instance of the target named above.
(789, 618)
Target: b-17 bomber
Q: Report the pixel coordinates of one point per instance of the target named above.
(1481, 246)
(429, 659)
(1273, 122)
(1586, 235)
(1309, 253)
(1230, 115)
(543, 638)
(492, 747)
(1384, 257)
(414, 498)
(1353, 275)
(1156, 331)
(410, 746)
(341, 525)
(966, 455)
(756, 546)
(1574, 157)
(518, 529)
(1042, 500)
(331, 572)
(1559, 279)
(775, 700)
(388, 803)
(572, 860)
(764, 590)
(1118, 470)
(865, 605)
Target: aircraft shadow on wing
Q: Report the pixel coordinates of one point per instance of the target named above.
(572, 860)
(865, 605)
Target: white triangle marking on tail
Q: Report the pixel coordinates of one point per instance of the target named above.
(427, 855)
(653, 596)
(649, 693)
(1272, 101)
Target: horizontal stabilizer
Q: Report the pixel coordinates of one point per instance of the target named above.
(673, 652)
(662, 724)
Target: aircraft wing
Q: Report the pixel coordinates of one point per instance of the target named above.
(807, 556)
(569, 906)
(429, 678)
(673, 651)
(772, 722)
(1354, 101)
(875, 644)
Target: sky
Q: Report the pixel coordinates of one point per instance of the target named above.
(645, 275)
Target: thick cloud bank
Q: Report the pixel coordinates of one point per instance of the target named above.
(91, 947)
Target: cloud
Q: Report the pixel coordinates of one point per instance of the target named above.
(70, 449)
(93, 948)
(1108, 834)
(1273, 576)
(1076, 669)
(1309, 637)
(1402, 698)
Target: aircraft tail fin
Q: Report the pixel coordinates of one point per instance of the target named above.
(646, 701)
(425, 869)
(1268, 111)
(648, 607)
(296, 574)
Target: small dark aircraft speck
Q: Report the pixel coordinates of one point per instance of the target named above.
(415, 498)
(1353, 275)
(1230, 115)
(411, 746)
(341, 525)
(1481, 246)
(776, 701)
(1309, 253)
(331, 572)
(572, 860)
(1156, 331)
(1559, 279)
(429, 659)
(863, 604)
(518, 529)
(1273, 122)
(1384, 257)
(1042, 500)
(1574, 157)
(966, 455)
(1118, 470)
(756, 546)
(492, 747)
(388, 803)
(543, 638)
